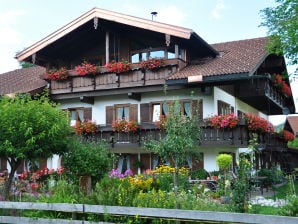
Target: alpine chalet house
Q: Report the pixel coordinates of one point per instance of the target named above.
(123, 72)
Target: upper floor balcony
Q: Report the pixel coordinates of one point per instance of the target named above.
(104, 78)
(265, 95)
(237, 137)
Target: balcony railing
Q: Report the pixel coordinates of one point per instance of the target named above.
(238, 137)
(104, 79)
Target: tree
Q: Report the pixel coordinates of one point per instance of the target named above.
(182, 134)
(30, 128)
(282, 22)
(24, 64)
(88, 158)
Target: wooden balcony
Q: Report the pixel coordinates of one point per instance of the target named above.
(262, 94)
(104, 79)
(237, 137)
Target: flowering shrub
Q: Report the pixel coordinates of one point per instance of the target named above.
(85, 68)
(258, 124)
(86, 127)
(61, 74)
(152, 63)
(143, 182)
(41, 174)
(161, 124)
(114, 173)
(118, 67)
(222, 121)
(122, 125)
(281, 84)
(288, 136)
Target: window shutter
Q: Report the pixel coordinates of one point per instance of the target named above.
(200, 109)
(232, 109)
(219, 107)
(109, 114)
(197, 108)
(145, 115)
(42, 163)
(3, 163)
(133, 112)
(88, 113)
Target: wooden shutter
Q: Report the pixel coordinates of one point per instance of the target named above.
(109, 114)
(197, 108)
(3, 164)
(88, 113)
(219, 107)
(145, 115)
(232, 109)
(133, 112)
(42, 163)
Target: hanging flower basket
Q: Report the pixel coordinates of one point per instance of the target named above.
(118, 67)
(288, 136)
(122, 125)
(222, 121)
(152, 63)
(258, 124)
(86, 127)
(281, 85)
(57, 75)
(86, 68)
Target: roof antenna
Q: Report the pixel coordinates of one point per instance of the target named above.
(153, 14)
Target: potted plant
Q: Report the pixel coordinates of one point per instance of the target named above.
(118, 67)
(152, 63)
(86, 68)
(86, 127)
(56, 75)
(224, 162)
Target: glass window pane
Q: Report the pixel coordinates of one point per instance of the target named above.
(126, 113)
(165, 109)
(156, 113)
(186, 108)
(157, 54)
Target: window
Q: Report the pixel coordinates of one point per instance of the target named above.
(122, 112)
(151, 112)
(186, 108)
(159, 110)
(79, 115)
(224, 108)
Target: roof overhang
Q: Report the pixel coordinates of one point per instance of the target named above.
(150, 25)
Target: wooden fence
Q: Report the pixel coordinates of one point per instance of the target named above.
(176, 214)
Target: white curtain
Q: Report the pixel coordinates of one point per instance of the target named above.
(165, 108)
(126, 113)
(120, 164)
(189, 161)
(155, 162)
(81, 115)
(187, 109)
(120, 112)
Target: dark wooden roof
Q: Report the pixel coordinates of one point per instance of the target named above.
(236, 57)
(26, 80)
(81, 32)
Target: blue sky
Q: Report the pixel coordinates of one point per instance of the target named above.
(23, 23)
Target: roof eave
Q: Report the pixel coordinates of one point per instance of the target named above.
(107, 15)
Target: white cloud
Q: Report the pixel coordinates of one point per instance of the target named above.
(9, 39)
(217, 10)
(171, 15)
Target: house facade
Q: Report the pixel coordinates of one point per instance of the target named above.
(142, 67)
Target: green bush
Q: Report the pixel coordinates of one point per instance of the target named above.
(200, 174)
(224, 161)
(114, 191)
